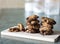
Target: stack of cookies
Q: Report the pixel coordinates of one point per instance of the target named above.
(33, 24)
(47, 26)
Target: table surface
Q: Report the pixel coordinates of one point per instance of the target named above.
(13, 16)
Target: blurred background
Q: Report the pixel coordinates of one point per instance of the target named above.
(11, 3)
(36, 6)
(13, 11)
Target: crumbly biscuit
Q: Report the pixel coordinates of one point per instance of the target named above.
(21, 27)
(33, 17)
(46, 30)
(47, 25)
(15, 29)
(48, 20)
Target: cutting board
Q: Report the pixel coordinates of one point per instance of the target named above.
(36, 36)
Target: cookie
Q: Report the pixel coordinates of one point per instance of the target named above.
(47, 25)
(46, 31)
(48, 20)
(31, 18)
(32, 30)
(34, 22)
(15, 29)
(21, 27)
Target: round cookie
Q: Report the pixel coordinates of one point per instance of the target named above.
(33, 17)
(21, 27)
(32, 22)
(15, 29)
(46, 30)
(47, 25)
(48, 20)
(32, 30)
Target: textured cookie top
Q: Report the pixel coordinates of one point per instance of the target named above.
(48, 20)
(33, 17)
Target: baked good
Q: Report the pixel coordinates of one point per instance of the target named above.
(47, 25)
(21, 27)
(32, 17)
(48, 20)
(46, 30)
(15, 29)
(33, 24)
